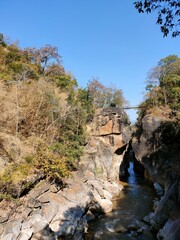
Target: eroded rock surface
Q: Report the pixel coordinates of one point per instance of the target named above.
(158, 149)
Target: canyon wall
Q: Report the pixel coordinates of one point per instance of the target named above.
(157, 147)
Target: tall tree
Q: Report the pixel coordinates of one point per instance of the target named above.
(43, 56)
(168, 14)
(105, 96)
(163, 84)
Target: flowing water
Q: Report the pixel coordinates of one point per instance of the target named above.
(134, 202)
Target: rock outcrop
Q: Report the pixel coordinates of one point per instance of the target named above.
(109, 136)
(48, 212)
(158, 149)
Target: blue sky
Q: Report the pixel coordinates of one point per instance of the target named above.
(105, 39)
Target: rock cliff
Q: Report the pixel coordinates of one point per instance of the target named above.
(49, 212)
(158, 149)
(109, 136)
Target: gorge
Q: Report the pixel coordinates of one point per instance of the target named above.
(48, 212)
(66, 151)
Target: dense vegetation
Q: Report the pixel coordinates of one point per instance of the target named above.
(163, 84)
(43, 116)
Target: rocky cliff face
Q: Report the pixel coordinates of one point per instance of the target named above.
(109, 136)
(48, 212)
(158, 149)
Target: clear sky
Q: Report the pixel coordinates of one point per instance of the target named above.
(107, 39)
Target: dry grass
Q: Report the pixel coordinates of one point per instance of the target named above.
(163, 111)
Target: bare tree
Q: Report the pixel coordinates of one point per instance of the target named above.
(43, 56)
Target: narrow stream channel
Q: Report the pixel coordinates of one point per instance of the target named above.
(134, 203)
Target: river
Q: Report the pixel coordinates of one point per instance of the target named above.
(134, 202)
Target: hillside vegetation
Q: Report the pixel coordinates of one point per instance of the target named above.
(43, 117)
(163, 89)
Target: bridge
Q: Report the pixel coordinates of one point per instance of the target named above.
(137, 107)
(119, 110)
(116, 109)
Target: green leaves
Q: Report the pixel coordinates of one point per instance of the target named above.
(163, 84)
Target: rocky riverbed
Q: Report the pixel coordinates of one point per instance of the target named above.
(128, 220)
